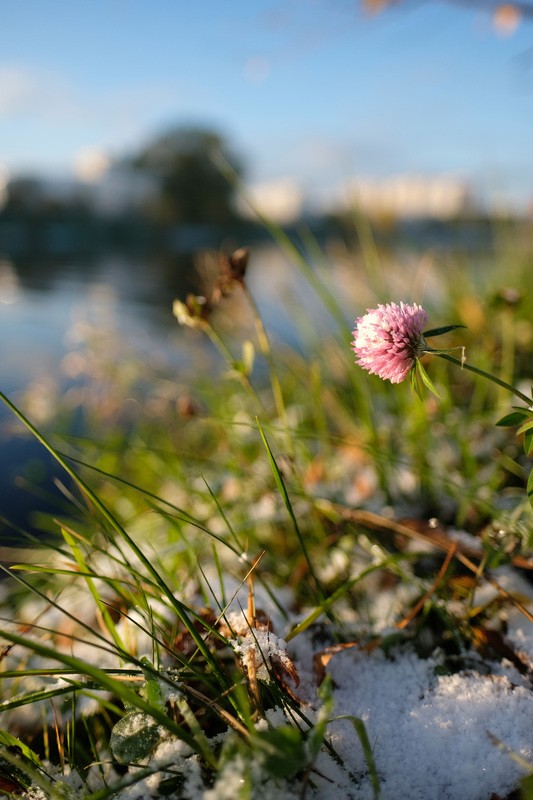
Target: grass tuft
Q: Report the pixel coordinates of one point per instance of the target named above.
(255, 586)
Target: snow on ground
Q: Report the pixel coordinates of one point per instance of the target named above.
(434, 735)
(431, 734)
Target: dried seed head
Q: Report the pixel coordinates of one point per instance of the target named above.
(192, 312)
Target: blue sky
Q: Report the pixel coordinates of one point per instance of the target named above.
(311, 89)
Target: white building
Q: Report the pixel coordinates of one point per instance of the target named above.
(280, 200)
(412, 196)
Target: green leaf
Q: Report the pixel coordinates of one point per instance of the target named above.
(514, 418)
(526, 786)
(283, 750)
(134, 737)
(7, 740)
(529, 488)
(440, 331)
(426, 380)
(317, 734)
(414, 384)
(315, 738)
(528, 442)
(154, 695)
(325, 693)
(525, 427)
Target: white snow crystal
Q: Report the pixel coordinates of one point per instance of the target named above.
(430, 733)
(257, 647)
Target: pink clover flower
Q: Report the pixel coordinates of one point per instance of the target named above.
(388, 339)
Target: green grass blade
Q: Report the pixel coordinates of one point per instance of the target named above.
(105, 682)
(333, 598)
(7, 740)
(180, 608)
(280, 483)
(102, 607)
(360, 729)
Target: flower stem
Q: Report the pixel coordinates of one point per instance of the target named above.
(264, 344)
(225, 352)
(477, 371)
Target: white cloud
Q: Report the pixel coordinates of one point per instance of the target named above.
(44, 95)
(47, 119)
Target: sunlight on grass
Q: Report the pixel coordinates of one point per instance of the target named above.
(280, 576)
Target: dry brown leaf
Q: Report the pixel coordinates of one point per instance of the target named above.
(9, 786)
(323, 657)
(488, 642)
(183, 642)
(287, 675)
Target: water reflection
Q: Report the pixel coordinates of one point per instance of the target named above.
(9, 282)
(145, 278)
(43, 302)
(50, 305)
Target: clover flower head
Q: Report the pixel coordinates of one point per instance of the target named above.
(388, 339)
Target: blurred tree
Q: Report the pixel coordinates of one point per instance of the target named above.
(31, 197)
(190, 187)
(25, 195)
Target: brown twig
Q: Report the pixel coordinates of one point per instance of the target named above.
(420, 605)
(440, 541)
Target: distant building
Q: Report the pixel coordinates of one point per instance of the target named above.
(91, 164)
(412, 196)
(281, 200)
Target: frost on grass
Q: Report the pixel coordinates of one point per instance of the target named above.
(258, 648)
(134, 737)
